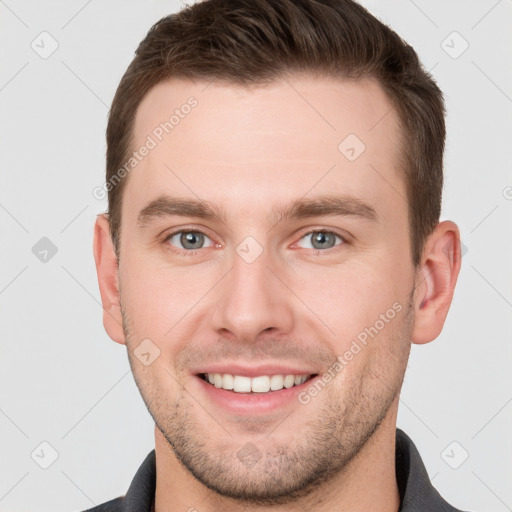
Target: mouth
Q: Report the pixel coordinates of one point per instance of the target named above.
(261, 384)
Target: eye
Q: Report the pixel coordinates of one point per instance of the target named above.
(189, 240)
(321, 239)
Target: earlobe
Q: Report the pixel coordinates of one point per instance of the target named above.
(107, 270)
(436, 279)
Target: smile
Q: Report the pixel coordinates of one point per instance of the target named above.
(259, 384)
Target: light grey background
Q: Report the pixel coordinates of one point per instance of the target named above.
(64, 382)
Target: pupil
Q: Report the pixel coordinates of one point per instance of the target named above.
(321, 239)
(192, 240)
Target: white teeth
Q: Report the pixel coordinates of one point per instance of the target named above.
(260, 384)
(228, 381)
(289, 381)
(217, 380)
(241, 384)
(276, 382)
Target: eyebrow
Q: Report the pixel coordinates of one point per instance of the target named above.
(335, 205)
(340, 205)
(165, 206)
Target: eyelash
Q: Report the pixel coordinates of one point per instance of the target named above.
(193, 252)
(344, 239)
(183, 252)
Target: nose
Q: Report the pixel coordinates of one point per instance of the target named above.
(253, 298)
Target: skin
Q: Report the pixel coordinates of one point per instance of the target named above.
(249, 151)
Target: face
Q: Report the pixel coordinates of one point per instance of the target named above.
(260, 247)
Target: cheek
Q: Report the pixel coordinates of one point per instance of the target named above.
(157, 297)
(350, 300)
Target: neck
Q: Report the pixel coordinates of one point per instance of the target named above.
(367, 483)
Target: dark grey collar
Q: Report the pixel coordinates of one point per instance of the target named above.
(416, 492)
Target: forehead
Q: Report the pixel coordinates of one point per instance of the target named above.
(237, 146)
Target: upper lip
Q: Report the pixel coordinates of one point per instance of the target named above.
(255, 370)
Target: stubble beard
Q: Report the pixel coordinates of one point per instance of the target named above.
(280, 473)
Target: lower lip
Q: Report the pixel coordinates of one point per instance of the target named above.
(253, 403)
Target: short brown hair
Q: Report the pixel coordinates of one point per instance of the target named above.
(257, 41)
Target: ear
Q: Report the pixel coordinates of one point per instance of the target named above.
(108, 278)
(435, 281)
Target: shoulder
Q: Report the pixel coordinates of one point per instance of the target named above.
(416, 491)
(140, 494)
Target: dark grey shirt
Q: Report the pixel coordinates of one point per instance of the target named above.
(416, 492)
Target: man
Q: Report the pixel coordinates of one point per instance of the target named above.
(272, 248)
